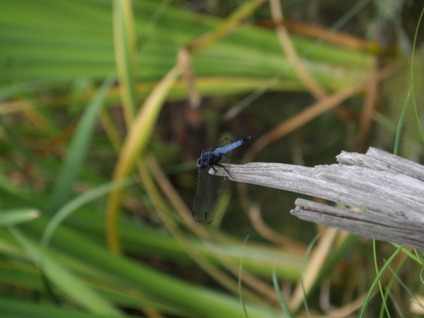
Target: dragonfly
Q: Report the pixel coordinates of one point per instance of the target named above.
(209, 187)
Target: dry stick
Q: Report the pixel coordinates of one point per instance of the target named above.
(202, 42)
(368, 109)
(291, 53)
(303, 117)
(290, 245)
(317, 109)
(313, 267)
(387, 188)
(298, 64)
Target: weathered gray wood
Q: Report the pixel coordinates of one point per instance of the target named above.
(387, 188)
(381, 160)
(365, 224)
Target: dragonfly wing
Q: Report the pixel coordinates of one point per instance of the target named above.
(208, 192)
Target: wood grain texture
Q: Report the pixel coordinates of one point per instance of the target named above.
(387, 190)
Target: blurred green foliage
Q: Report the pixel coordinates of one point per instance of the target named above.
(77, 79)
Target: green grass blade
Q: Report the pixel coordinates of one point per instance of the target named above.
(283, 303)
(377, 280)
(37, 46)
(125, 51)
(147, 280)
(14, 217)
(79, 201)
(139, 135)
(13, 308)
(78, 149)
(65, 280)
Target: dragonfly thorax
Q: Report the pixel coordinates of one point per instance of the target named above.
(208, 158)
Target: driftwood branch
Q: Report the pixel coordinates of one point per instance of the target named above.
(386, 191)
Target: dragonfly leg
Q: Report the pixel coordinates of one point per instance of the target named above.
(223, 167)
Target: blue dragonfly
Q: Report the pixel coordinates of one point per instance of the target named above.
(209, 187)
